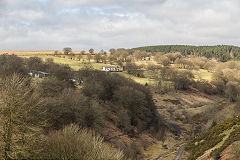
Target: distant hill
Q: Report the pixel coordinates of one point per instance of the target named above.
(220, 52)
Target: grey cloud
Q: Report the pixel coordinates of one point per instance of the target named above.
(83, 24)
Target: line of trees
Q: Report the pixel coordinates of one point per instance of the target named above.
(221, 52)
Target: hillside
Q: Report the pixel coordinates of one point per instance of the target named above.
(175, 99)
(115, 111)
(214, 141)
(187, 114)
(220, 52)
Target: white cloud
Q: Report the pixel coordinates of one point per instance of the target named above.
(83, 24)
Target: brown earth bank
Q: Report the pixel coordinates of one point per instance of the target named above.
(232, 152)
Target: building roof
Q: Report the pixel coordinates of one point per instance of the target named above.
(109, 67)
(39, 72)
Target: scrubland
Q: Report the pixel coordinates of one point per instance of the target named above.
(158, 102)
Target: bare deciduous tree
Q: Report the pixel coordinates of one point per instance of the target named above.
(21, 118)
(67, 50)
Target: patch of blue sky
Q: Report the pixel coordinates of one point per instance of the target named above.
(43, 1)
(95, 10)
(68, 10)
(78, 10)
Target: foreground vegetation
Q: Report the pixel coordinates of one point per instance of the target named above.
(213, 136)
(49, 118)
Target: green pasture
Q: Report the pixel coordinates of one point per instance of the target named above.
(76, 65)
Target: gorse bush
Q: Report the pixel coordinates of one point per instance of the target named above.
(212, 137)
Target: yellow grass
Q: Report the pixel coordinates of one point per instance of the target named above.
(202, 74)
(74, 64)
(27, 52)
(155, 150)
(40, 52)
(142, 81)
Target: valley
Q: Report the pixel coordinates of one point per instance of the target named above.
(187, 96)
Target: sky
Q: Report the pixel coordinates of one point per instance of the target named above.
(105, 24)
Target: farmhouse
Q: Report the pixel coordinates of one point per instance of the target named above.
(146, 58)
(38, 74)
(111, 69)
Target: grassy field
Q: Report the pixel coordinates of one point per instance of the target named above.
(40, 52)
(142, 81)
(202, 74)
(74, 64)
(27, 52)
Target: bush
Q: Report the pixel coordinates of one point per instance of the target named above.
(75, 143)
(70, 107)
(133, 100)
(124, 120)
(162, 59)
(182, 79)
(23, 116)
(61, 72)
(51, 87)
(10, 64)
(220, 86)
(35, 63)
(232, 91)
(212, 137)
(206, 87)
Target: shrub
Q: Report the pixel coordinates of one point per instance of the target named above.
(212, 137)
(61, 72)
(10, 64)
(136, 103)
(220, 86)
(51, 87)
(22, 115)
(70, 107)
(124, 120)
(75, 143)
(132, 98)
(162, 59)
(232, 91)
(206, 87)
(182, 79)
(35, 63)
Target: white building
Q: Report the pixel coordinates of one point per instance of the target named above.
(110, 69)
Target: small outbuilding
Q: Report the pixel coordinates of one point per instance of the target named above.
(146, 58)
(38, 74)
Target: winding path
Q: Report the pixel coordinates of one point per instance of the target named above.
(180, 152)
